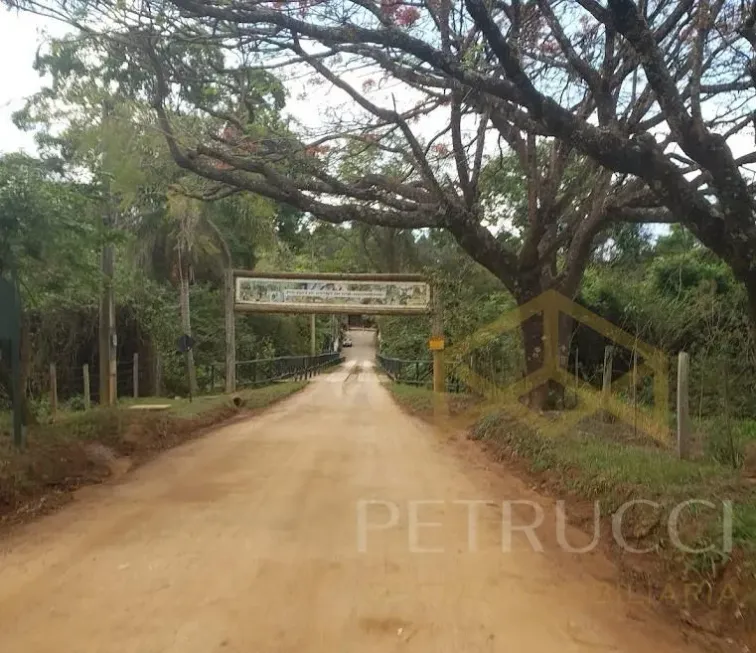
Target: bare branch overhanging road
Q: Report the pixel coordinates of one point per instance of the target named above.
(247, 541)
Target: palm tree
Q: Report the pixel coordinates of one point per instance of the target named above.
(170, 241)
(186, 235)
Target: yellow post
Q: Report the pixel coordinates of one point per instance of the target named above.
(436, 346)
(437, 343)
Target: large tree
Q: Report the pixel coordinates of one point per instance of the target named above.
(623, 110)
(48, 229)
(92, 118)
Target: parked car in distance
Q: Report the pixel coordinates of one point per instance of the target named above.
(347, 342)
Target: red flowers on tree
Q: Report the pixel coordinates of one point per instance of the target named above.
(400, 14)
(407, 16)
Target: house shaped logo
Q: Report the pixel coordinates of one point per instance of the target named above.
(651, 363)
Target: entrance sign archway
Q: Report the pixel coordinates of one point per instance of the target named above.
(320, 293)
(340, 294)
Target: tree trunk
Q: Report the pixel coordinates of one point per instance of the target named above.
(229, 300)
(107, 327)
(25, 369)
(107, 333)
(551, 394)
(392, 260)
(229, 293)
(533, 349)
(751, 290)
(186, 326)
(25, 355)
(566, 328)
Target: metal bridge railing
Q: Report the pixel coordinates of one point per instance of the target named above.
(416, 372)
(413, 372)
(268, 370)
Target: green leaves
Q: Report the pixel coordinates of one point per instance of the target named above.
(48, 226)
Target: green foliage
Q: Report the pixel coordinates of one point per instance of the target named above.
(683, 298)
(726, 440)
(471, 299)
(45, 222)
(93, 122)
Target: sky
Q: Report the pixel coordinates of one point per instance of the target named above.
(20, 35)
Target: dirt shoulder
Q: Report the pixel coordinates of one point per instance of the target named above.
(710, 591)
(87, 448)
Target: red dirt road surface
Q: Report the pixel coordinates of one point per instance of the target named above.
(254, 539)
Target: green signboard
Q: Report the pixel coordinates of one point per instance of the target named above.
(10, 338)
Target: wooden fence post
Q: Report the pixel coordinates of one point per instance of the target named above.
(635, 390)
(437, 332)
(313, 335)
(53, 391)
(683, 412)
(606, 384)
(113, 381)
(577, 375)
(158, 375)
(87, 391)
(136, 376)
(230, 317)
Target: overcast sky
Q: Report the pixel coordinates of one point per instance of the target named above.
(20, 35)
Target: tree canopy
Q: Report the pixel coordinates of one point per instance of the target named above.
(649, 104)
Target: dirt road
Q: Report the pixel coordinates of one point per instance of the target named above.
(249, 540)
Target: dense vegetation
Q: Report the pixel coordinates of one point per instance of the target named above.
(661, 286)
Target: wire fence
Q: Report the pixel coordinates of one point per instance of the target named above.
(78, 387)
(699, 406)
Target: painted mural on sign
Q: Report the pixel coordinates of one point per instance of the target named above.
(330, 293)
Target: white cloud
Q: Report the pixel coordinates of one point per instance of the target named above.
(20, 36)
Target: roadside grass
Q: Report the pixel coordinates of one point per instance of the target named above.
(419, 399)
(583, 467)
(604, 469)
(414, 398)
(614, 473)
(81, 448)
(252, 398)
(727, 440)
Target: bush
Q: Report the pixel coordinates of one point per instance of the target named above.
(726, 440)
(75, 403)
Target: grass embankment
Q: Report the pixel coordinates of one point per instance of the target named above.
(82, 448)
(419, 400)
(713, 590)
